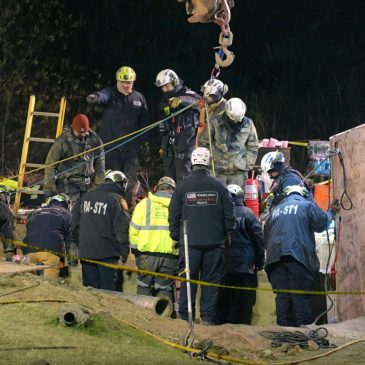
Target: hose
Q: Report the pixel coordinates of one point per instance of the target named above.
(298, 338)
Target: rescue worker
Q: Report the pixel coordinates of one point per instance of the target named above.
(213, 92)
(284, 176)
(235, 143)
(124, 111)
(291, 259)
(74, 176)
(178, 133)
(103, 231)
(243, 258)
(205, 203)
(150, 240)
(49, 228)
(6, 224)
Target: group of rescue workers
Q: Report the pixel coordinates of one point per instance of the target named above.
(90, 197)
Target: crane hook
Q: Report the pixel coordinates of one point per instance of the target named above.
(221, 61)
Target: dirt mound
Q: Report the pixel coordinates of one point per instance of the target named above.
(237, 341)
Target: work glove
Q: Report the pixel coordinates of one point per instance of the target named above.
(175, 245)
(92, 98)
(335, 206)
(175, 102)
(161, 152)
(201, 103)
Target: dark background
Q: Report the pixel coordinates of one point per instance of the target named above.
(299, 66)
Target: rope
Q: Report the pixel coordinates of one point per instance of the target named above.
(144, 129)
(210, 139)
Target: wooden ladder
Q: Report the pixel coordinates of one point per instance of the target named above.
(27, 139)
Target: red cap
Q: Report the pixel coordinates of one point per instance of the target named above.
(80, 123)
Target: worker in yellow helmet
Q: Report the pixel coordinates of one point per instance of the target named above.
(150, 241)
(125, 111)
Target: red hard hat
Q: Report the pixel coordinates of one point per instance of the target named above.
(80, 123)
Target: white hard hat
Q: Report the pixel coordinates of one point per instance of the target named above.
(200, 156)
(166, 180)
(269, 158)
(117, 177)
(235, 190)
(167, 76)
(61, 198)
(235, 109)
(296, 189)
(214, 87)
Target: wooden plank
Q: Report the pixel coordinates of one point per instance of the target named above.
(11, 268)
(351, 238)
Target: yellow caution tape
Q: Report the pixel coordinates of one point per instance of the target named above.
(182, 279)
(297, 143)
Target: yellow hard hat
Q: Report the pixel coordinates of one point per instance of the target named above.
(125, 73)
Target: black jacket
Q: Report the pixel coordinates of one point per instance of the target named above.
(122, 115)
(246, 252)
(6, 226)
(49, 228)
(103, 227)
(185, 124)
(206, 204)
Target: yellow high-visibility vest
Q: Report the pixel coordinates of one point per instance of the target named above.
(149, 226)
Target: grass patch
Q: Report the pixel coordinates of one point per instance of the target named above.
(103, 341)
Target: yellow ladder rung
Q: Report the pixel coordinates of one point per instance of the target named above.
(30, 164)
(38, 139)
(46, 114)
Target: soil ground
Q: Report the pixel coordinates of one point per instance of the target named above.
(28, 319)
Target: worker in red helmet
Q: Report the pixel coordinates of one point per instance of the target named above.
(78, 174)
(74, 176)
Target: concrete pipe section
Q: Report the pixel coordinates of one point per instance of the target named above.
(162, 306)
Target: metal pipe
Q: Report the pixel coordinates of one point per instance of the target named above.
(162, 305)
(187, 268)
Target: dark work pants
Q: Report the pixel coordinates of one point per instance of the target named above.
(234, 305)
(98, 276)
(128, 163)
(177, 167)
(206, 264)
(291, 309)
(176, 161)
(150, 285)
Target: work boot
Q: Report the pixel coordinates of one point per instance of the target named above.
(208, 322)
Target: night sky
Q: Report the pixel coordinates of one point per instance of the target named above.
(299, 64)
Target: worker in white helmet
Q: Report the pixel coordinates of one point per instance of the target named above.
(234, 142)
(178, 133)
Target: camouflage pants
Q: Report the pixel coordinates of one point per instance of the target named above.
(149, 285)
(239, 178)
